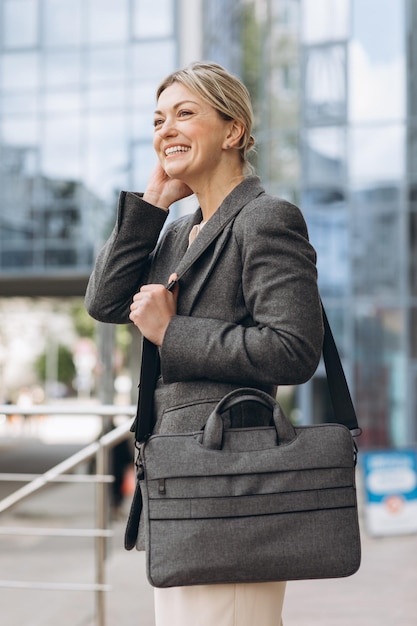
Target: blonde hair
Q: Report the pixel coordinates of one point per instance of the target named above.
(224, 92)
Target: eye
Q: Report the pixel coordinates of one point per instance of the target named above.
(158, 122)
(184, 113)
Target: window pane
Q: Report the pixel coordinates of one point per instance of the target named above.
(20, 23)
(62, 22)
(326, 215)
(375, 245)
(106, 154)
(61, 148)
(19, 103)
(144, 160)
(377, 64)
(20, 71)
(107, 64)
(380, 376)
(144, 100)
(62, 68)
(19, 130)
(102, 98)
(153, 61)
(108, 21)
(325, 20)
(412, 242)
(153, 20)
(325, 83)
(325, 154)
(62, 101)
(377, 153)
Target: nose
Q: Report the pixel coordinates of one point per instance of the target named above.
(167, 129)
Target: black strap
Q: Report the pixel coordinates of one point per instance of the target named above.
(149, 371)
(339, 391)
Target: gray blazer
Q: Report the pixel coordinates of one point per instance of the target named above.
(248, 311)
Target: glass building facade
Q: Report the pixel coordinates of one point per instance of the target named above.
(358, 195)
(77, 80)
(335, 98)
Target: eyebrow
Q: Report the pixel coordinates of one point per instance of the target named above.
(178, 104)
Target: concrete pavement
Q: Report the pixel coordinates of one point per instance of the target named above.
(382, 593)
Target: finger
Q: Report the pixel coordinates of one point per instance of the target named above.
(173, 285)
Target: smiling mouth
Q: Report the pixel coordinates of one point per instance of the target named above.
(176, 150)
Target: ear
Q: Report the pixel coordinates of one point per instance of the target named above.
(234, 134)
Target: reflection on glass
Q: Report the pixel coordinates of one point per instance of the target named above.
(16, 103)
(143, 104)
(20, 20)
(325, 20)
(62, 68)
(412, 151)
(377, 153)
(20, 130)
(144, 160)
(153, 61)
(62, 21)
(413, 333)
(62, 101)
(153, 20)
(20, 71)
(101, 98)
(107, 64)
(327, 219)
(380, 376)
(106, 154)
(377, 264)
(412, 243)
(377, 63)
(61, 147)
(325, 154)
(325, 83)
(337, 316)
(108, 21)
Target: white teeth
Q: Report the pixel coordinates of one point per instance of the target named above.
(176, 149)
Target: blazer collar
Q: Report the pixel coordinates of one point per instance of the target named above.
(241, 195)
(216, 231)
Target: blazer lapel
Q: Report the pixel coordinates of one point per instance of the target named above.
(216, 231)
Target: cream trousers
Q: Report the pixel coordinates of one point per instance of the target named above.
(254, 604)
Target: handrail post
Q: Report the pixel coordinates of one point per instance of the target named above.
(101, 523)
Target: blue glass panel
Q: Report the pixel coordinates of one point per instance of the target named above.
(20, 23)
(377, 88)
(325, 20)
(153, 20)
(377, 153)
(62, 22)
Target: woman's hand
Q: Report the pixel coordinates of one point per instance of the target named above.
(162, 191)
(152, 309)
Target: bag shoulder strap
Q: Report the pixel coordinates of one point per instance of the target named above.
(339, 391)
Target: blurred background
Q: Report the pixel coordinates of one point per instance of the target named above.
(333, 87)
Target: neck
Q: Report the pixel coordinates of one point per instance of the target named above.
(211, 194)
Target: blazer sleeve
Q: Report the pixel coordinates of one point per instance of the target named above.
(279, 287)
(123, 263)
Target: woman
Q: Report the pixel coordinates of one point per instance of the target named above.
(247, 312)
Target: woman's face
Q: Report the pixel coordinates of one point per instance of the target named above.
(190, 136)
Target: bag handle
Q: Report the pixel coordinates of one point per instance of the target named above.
(213, 430)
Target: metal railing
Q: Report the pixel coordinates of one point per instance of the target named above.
(97, 450)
